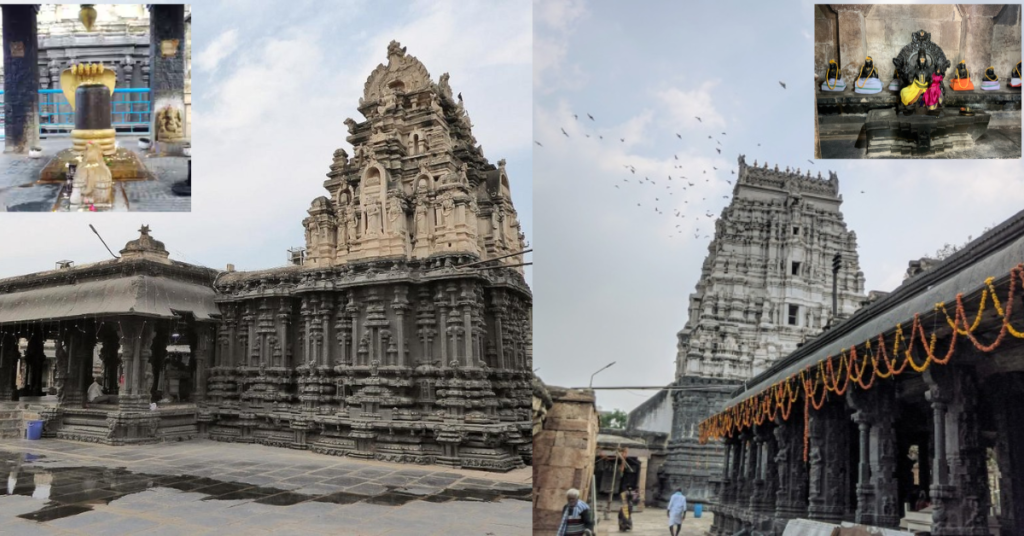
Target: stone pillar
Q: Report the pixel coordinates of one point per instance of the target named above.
(35, 360)
(9, 356)
(828, 459)
(400, 305)
(959, 491)
(204, 356)
(109, 357)
(877, 488)
(1010, 451)
(757, 468)
(136, 336)
(167, 65)
(791, 497)
(21, 77)
(81, 342)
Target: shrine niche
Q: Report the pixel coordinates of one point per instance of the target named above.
(922, 81)
(379, 345)
(921, 124)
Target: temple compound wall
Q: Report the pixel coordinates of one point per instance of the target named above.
(908, 405)
(389, 341)
(980, 34)
(765, 288)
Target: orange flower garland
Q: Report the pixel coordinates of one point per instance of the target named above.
(778, 399)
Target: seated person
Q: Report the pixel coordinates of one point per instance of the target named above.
(961, 80)
(867, 80)
(991, 81)
(833, 78)
(95, 394)
(1015, 76)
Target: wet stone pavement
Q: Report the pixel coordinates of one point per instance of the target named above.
(20, 193)
(206, 487)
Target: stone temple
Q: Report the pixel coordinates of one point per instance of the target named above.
(765, 288)
(403, 333)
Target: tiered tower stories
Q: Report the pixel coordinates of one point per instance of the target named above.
(389, 341)
(765, 287)
(418, 184)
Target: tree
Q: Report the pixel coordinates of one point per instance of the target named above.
(614, 419)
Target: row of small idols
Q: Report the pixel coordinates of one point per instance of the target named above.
(868, 82)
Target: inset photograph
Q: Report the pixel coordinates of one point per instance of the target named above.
(917, 81)
(96, 108)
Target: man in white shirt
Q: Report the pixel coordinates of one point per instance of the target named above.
(95, 393)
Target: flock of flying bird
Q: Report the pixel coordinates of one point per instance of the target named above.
(674, 184)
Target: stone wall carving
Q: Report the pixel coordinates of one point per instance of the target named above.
(418, 184)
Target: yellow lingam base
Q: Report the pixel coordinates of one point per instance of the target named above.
(104, 138)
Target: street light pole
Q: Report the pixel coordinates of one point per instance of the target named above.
(599, 370)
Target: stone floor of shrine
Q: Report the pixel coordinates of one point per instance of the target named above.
(19, 191)
(207, 487)
(843, 137)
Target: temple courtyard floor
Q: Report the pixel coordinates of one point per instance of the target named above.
(20, 192)
(652, 522)
(206, 487)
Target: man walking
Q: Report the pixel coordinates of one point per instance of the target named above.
(676, 512)
(576, 516)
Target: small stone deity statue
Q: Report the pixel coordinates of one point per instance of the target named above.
(94, 178)
(169, 124)
(867, 79)
(961, 78)
(833, 78)
(1015, 76)
(991, 80)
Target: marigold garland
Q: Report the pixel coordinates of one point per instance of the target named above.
(777, 400)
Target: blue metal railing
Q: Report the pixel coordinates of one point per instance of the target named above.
(129, 111)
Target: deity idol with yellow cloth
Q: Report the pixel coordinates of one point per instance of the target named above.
(867, 80)
(961, 80)
(833, 78)
(919, 84)
(1015, 76)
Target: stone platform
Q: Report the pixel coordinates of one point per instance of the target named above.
(848, 102)
(124, 165)
(892, 134)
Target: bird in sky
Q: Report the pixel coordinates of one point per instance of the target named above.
(601, 137)
(566, 133)
(812, 163)
(678, 136)
(587, 135)
(783, 84)
(677, 156)
(538, 143)
(699, 119)
(758, 144)
(576, 117)
(623, 140)
(591, 117)
(709, 137)
(728, 181)
(714, 168)
(719, 150)
(723, 133)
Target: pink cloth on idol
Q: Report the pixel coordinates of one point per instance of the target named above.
(931, 95)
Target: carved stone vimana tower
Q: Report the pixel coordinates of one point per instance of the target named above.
(382, 345)
(765, 287)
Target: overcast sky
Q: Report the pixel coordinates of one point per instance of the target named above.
(273, 82)
(614, 279)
